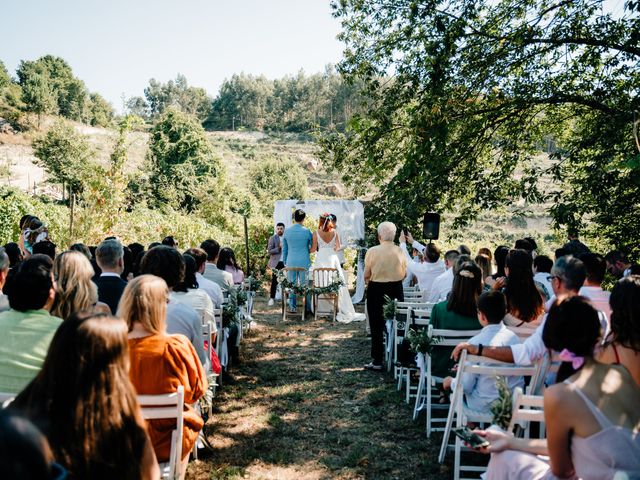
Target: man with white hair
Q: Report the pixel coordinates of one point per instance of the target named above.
(385, 267)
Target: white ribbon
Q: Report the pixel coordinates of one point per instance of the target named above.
(420, 361)
(359, 293)
(224, 351)
(389, 335)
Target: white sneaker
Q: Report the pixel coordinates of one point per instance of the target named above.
(270, 302)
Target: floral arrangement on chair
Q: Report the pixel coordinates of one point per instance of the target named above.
(501, 407)
(421, 342)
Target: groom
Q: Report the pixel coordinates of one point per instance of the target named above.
(296, 243)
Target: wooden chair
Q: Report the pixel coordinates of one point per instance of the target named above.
(169, 405)
(298, 277)
(526, 409)
(458, 409)
(324, 277)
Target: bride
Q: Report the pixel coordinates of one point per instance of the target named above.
(326, 244)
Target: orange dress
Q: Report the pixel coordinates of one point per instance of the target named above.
(159, 364)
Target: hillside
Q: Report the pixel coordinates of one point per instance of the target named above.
(240, 150)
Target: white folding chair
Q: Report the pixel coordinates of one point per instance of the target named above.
(417, 319)
(480, 366)
(414, 296)
(164, 406)
(6, 399)
(298, 277)
(324, 277)
(395, 334)
(527, 409)
(448, 338)
(207, 333)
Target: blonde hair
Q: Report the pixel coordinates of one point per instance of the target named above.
(144, 300)
(74, 289)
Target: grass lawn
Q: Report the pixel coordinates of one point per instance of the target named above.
(303, 408)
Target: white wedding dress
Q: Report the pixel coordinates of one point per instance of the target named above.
(326, 257)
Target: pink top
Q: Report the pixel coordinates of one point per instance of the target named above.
(237, 274)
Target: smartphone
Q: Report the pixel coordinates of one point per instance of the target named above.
(473, 439)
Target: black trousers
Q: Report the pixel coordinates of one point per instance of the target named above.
(274, 280)
(375, 302)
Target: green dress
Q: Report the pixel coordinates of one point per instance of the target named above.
(441, 318)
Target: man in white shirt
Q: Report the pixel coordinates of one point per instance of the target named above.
(211, 271)
(541, 270)
(567, 277)
(617, 264)
(427, 270)
(442, 284)
(211, 288)
(592, 289)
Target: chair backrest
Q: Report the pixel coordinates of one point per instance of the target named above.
(206, 337)
(402, 309)
(526, 408)
(416, 295)
(451, 338)
(323, 277)
(522, 332)
(296, 275)
(6, 399)
(420, 317)
(164, 406)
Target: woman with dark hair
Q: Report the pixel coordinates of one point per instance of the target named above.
(484, 262)
(83, 249)
(12, 249)
(525, 305)
(459, 312)
(623, 344)
(188, 293)
(227, 262)
(592, 417)
(500, 258)
(83, 402)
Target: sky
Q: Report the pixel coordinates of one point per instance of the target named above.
(116, 46)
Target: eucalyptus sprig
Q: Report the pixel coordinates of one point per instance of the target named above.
(421, 342)
(389, 308)
(501, 407)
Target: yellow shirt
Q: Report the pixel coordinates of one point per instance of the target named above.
(385, 263)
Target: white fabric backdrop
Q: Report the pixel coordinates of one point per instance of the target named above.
(350, 214)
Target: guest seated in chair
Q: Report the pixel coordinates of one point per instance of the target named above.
(592, 418)
(160, 363)
(481, 390)
(83, 402)
(459, 312)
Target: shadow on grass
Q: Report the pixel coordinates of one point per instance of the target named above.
(304, 408)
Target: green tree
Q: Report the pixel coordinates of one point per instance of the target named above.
(5, 78)
(38, 96)
(277, 179)
(460, 93)
(100, 111)
(66, 156)
(138, 106)
(179, 95)
(183, 164)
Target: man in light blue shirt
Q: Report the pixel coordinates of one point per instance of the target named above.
(296, 244)
(481, 390)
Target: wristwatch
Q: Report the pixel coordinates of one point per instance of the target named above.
(479, 349)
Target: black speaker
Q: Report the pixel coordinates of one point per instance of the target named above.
(431, 226)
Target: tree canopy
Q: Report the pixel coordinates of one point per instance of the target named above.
(176, 94)
(462, 92)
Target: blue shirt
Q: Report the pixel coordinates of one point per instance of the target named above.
(296, 243)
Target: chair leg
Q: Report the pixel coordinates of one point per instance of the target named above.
(419, 396)
(456, 467)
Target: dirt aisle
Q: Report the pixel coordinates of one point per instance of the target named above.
(303, 408)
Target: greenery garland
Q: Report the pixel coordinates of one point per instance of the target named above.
(333, 288)
(421, 342)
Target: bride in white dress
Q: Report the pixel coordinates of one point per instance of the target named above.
(326, 244)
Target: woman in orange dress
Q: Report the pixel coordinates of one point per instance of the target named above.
(160, 363)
